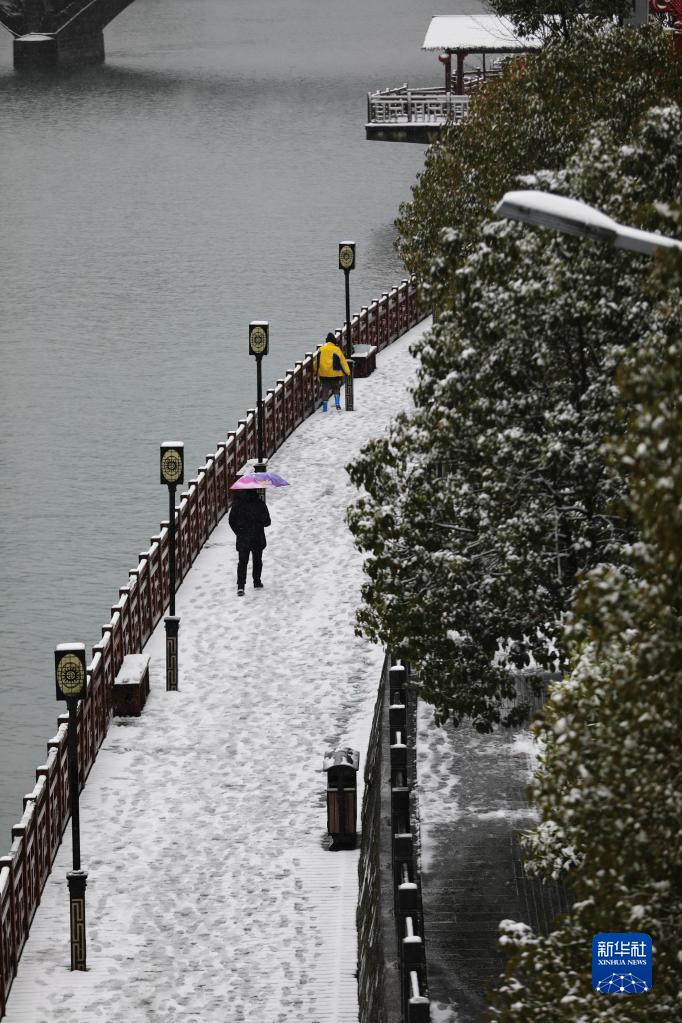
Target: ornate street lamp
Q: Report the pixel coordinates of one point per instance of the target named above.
(172, 473)
(347, 263)
(71, 683)
(259, 340)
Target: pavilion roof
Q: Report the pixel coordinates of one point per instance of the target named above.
(476, 33)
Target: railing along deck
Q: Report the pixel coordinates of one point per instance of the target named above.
(403, 105)
(427, 106)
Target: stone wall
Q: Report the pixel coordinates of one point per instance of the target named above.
(392, 980)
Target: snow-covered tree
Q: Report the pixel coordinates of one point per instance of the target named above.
(608, 788)
(534, 116)
(516, 392)
(560, 16)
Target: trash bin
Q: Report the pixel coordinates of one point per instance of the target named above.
(342, 766)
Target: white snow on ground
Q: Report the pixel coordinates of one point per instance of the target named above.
(212, 896)
(443, 1013)
(526, 745)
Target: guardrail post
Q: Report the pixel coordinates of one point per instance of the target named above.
(397, 677)
(398, 753)
(7, 862)
(402, 846)
(397, 716)
(412, 945)
(418, 1010)
(407, 898)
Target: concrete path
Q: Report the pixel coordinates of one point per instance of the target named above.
(212, 896)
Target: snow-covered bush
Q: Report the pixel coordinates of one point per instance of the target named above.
(610, 774)
(534, 116)
(516, 392)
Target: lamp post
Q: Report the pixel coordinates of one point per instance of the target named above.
(259, 339)
(172, 459)
(347, 263)
(545, 209)
(71, 684)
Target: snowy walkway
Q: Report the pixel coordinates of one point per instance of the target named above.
(211, 895)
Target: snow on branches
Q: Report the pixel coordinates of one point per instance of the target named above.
(517, 391)
(608, 788)
(530, 508)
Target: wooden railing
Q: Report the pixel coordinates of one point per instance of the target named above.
(431, 106)
(140, 607)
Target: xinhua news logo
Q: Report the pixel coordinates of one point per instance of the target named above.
(622, 963)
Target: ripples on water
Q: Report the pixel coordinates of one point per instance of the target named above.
(151, 208)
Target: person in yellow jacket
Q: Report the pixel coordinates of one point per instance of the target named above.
(331, 369)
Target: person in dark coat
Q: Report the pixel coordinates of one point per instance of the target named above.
(249, 517)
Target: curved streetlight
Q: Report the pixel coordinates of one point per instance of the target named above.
(545, 209)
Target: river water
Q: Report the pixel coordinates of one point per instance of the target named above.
(152, 207)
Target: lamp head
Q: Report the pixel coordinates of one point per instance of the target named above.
(346, 255)
(544, 209)
(259, 337)
(172, 458)
(69, 669)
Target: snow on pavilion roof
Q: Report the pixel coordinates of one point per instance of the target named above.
(476, 33)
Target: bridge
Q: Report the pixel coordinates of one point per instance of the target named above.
(51, 32)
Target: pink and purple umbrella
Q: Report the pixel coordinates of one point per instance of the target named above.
(258, 480)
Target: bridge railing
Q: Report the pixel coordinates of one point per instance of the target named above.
(140, 607)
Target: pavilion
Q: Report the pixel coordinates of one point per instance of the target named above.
(463, 34)
(417, 115)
